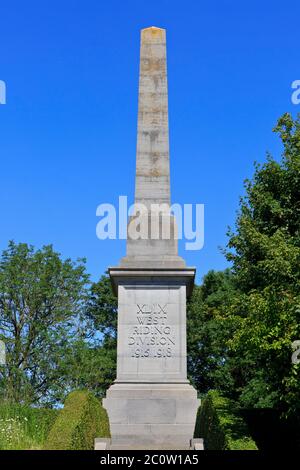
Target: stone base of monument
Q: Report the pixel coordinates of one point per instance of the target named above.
(151, 405)
(156, 416)
(106, 444)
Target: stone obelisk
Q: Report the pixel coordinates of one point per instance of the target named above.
(151, 403)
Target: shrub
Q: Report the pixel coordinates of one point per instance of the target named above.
(81, 420)
(220, 424)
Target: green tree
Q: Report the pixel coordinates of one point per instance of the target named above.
(41, 300)
(265, 252)
(102, 309)
(211, 364)
(90, 364)
(102, 312)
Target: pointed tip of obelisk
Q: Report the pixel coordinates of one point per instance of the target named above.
(151, 27)
(153, 33)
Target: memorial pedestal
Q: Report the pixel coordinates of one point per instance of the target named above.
(151, 403)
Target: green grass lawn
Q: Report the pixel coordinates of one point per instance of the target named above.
(23, 427)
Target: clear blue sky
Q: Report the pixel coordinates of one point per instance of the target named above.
(68, 130)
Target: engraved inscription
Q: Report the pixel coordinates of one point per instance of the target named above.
(152, 336)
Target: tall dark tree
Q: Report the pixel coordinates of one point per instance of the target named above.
(210, 362)
(102, 311)
(265, 252)
(90, 364)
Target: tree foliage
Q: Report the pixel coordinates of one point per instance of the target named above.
(41, 300)
(207, 333)
(265, 252)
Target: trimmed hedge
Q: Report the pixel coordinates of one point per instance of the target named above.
(220, 424)
(81, 420)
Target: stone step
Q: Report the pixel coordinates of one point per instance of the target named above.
(106, 444)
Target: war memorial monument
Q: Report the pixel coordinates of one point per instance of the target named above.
(151, 404)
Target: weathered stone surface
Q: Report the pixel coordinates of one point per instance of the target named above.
(152, 162)
(151, 405)
(152, 182)
(156, 415)
(198, 444)
(151, 331)
(151, 402)
(161, 252)
(102, 443)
